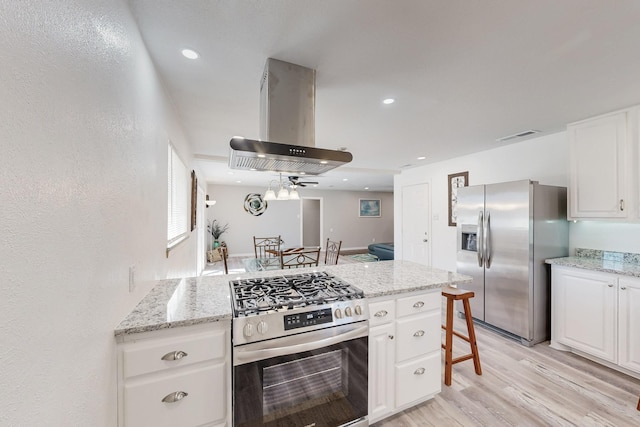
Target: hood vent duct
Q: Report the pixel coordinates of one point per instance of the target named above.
(287, 115)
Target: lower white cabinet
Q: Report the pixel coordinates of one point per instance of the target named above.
(597, 314)
(175, 377)
(404, 352)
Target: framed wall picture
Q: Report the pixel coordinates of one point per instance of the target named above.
(194, 199)
(369, 208)
(455, 181)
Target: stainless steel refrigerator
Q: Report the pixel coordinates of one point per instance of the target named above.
(505, 233)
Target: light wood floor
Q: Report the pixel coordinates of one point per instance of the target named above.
(522, 386)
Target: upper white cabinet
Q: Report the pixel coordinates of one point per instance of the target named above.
(601, 181)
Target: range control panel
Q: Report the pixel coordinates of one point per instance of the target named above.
(309, 318)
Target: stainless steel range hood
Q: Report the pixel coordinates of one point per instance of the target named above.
(287, 115)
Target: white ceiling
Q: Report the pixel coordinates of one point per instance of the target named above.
(464, 73)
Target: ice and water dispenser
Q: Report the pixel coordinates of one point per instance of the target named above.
(469, 238)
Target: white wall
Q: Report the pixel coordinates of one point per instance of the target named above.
(85, 123)
(340, 217)
(542, 159)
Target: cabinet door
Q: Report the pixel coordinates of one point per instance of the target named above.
(205, 402)
(418, 379)
(629, 318)
(584, 311)
(381, 362)
(598, 150)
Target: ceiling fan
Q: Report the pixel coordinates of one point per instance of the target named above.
(295, 180)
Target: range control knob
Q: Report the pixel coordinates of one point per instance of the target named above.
(338, 313)
(248, 329)
(347, 312)
(358, 310)
(263, 327)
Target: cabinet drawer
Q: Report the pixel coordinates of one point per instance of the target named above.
(418, 379)
(382, 312)
(419, 303)
(203, 405)
(417, 335)
(145, 357)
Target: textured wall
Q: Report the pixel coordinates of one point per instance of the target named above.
(542, 159)
(340, 217)
(83, 131)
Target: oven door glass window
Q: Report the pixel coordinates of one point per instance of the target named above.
(326, 387)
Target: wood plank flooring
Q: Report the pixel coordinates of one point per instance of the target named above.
(523, 386)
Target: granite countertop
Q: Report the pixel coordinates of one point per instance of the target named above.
(182, 302)
(622, 263)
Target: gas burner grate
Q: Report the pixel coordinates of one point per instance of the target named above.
(254, 296)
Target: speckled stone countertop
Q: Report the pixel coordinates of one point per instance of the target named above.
(182, 302)
(623, 263)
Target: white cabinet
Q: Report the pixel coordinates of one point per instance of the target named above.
(175, 377)
(597, 314)
(599, 178)
(404, 352)
(585, 315)
(629, 323)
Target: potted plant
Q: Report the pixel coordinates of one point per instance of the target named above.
(216, 231)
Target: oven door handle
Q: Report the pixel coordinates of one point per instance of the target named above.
(292, 344)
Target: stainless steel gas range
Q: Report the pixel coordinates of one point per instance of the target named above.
(300, 352)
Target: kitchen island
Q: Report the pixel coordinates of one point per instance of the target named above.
(176, 342)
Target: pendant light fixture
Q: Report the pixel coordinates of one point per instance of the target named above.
(283, 193)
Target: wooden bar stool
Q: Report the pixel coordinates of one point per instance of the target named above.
(454, 294)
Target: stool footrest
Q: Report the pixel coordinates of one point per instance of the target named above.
(462, 358)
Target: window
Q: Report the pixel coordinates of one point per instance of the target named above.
(177, 200)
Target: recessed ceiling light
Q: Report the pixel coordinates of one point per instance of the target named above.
(345, 179)
(323, 162)
(366, 188)
(421, 158)
(388, 101)
(191, 54)
(239, 182)
(262, 156)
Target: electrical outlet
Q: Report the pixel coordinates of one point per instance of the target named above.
(132, 283)
(373, 240)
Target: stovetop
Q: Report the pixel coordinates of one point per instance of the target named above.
(263, 295)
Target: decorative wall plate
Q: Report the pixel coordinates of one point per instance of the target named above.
(255, 204)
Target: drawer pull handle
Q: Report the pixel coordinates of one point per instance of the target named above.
(419, 333)
(174, 355)
(623, 288)
(381, 313)
(175, 396)
(610, 285)
(419, 304)
(390, 337)
(419, 371)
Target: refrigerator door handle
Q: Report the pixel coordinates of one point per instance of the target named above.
(487, 240)
(479, 239)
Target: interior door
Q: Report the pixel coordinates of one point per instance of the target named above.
(311, 222)
(416, 224)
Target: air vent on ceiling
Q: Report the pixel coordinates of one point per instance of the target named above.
(518, 135)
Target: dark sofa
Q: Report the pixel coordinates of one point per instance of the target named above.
(383, 251)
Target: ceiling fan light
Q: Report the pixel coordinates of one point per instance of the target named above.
(269, 195)
(293, 195)
(283, 194)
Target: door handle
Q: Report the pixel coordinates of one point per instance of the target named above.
(487, 240)
(480, 239)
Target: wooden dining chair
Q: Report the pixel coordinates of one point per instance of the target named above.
(332, 252)
(267, 250)
(224, 254)
(300, 258)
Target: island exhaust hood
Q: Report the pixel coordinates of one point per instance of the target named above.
(287, 115)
